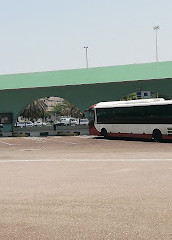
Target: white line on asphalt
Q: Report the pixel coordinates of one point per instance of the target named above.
(85, 160)
(10, 144)
(57, 140)
(69, 142)
(51, 139)
(36, 139)
(30, 149)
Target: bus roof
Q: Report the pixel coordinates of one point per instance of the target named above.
(132, 103)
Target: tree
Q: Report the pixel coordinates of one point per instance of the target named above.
(157, 95)
(57, 109)
(36, 109)
(131, 96)
(67, 109)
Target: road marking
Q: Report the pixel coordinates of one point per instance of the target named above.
(69, 142)
(86, 160)
(63, 142)
(10, 144)
(39, 140)
(30, 149)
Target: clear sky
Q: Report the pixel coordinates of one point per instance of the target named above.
(45, 35)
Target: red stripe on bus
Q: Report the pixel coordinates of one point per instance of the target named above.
(93, 105)
(93, 131)
(166, 137)
(130, 135)
(133, 135)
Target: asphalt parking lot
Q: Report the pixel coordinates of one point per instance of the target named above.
(83, 188)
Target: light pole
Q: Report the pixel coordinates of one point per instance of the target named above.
(86, 48)
(156, 28)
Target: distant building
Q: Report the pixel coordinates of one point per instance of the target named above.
(51, 102)
(144, 94)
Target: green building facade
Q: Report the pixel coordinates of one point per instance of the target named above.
(83, 87)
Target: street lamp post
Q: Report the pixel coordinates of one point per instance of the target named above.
(156, 28)
(86, 48)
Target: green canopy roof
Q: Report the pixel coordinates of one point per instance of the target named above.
(132, 72)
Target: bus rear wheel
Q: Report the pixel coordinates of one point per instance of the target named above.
(104, 133)
(157, 135)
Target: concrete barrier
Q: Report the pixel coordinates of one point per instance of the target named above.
(49, 131)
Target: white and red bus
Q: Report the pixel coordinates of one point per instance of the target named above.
(145, 118)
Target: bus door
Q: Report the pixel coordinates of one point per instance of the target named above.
(91, 118)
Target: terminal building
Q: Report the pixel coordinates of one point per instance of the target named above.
(82, 87)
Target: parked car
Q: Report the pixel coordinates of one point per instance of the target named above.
(66, 122)
(39, 124)
(24, 124)
(58, 123)
(69, 121)
(83, 121)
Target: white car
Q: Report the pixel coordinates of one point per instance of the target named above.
(68, 121)
(39, 124)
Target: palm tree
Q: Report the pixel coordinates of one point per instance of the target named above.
(67, 109)
(35, 110)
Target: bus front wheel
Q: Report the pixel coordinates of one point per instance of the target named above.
(157, 135)
(104, 133)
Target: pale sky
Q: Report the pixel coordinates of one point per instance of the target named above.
(45, 35)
